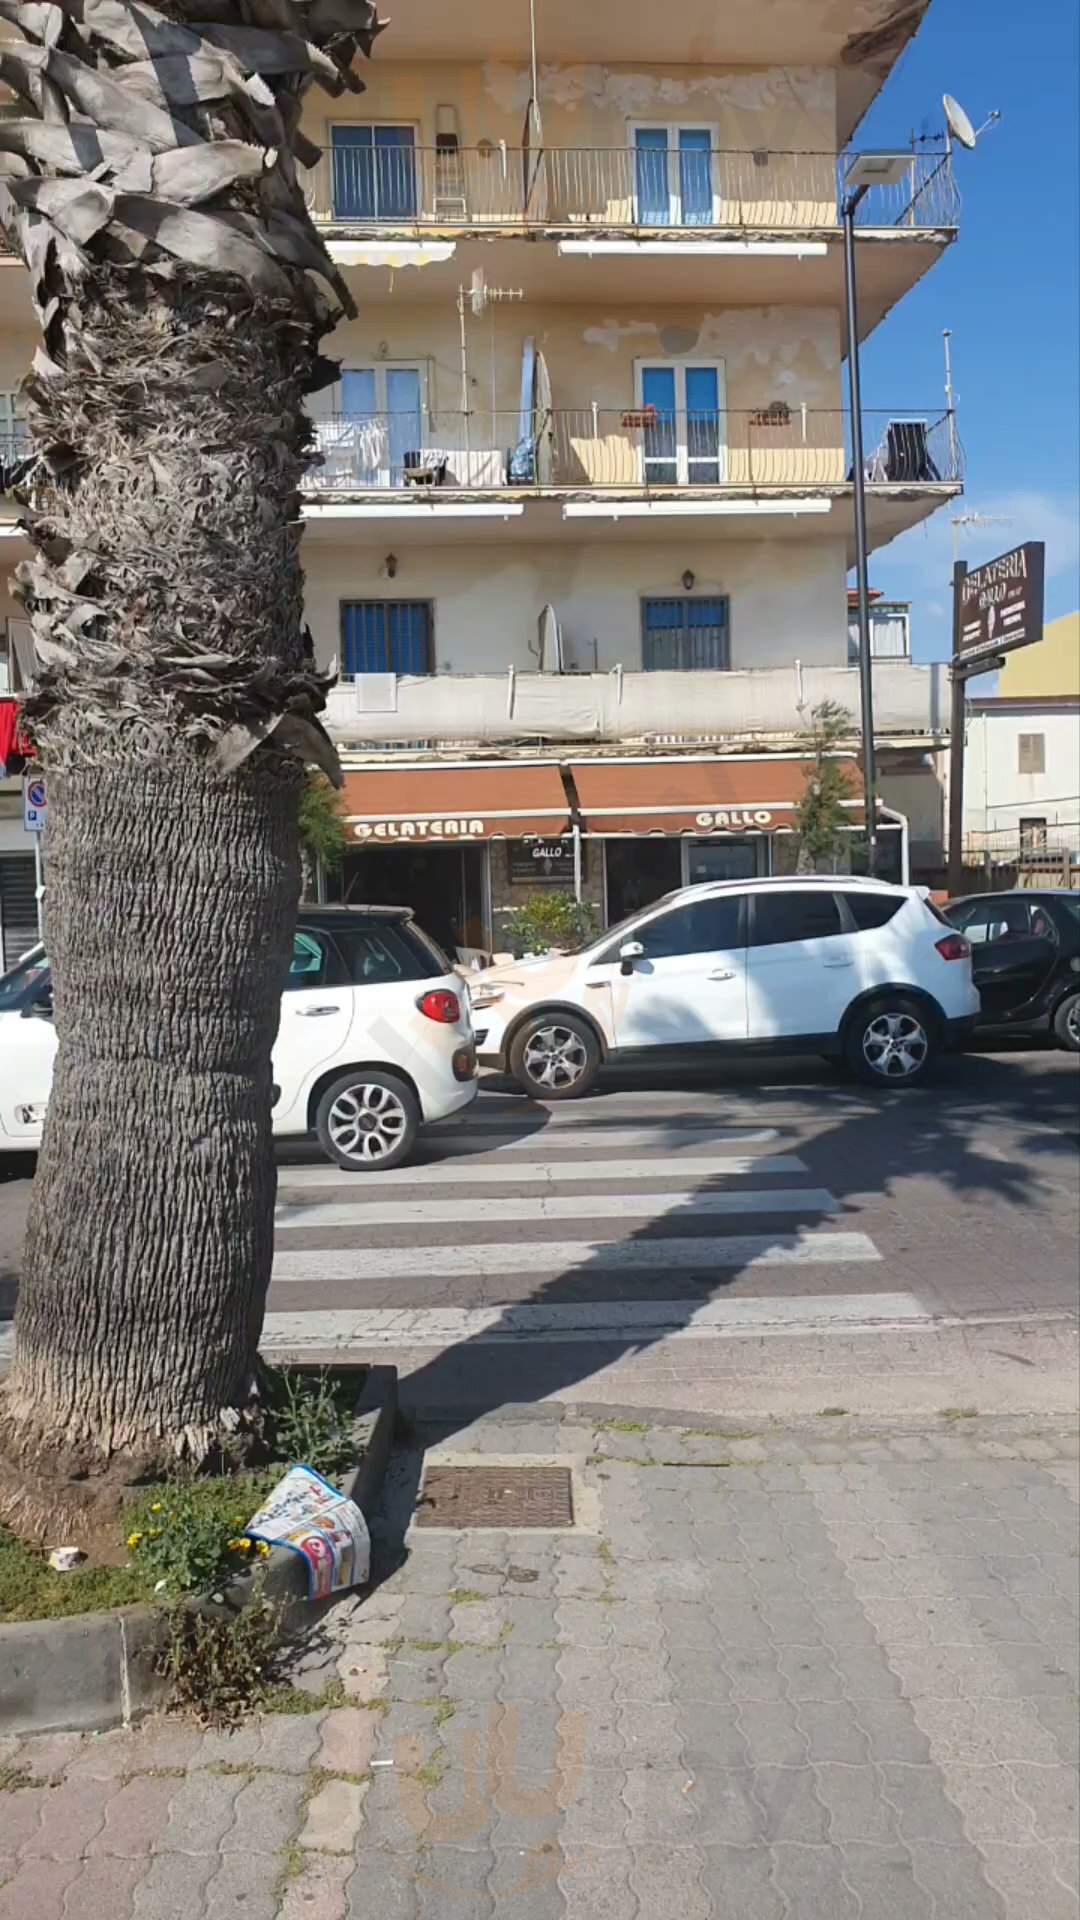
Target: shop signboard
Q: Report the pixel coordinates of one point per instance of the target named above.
(1000, 607)
(543, 862)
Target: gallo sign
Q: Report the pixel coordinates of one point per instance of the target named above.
(1000, 607)
(419, 829)
(734, 819)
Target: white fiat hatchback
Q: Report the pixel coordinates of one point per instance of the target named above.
(856, 970)
(375, 1039)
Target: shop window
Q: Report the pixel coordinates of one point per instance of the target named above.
(1033, 834)
(689, 634)
(1031, 753)
(386, 636)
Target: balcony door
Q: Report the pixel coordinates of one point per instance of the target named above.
(373, 173)
(682, 439)
(382, 421)
(673, 176)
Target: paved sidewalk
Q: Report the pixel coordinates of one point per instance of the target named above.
(825, 1674)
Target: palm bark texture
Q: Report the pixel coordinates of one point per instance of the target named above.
(150, 182)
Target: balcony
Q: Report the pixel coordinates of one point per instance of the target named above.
(591, 472)
(716, 708)
(680, 216)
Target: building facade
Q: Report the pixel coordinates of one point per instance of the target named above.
(579, 519)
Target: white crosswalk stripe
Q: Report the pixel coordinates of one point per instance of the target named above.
(570, 1256)
(664, 1135)
(520, 1172)
(556, 1206)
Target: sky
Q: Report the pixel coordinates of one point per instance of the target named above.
(1008, 289)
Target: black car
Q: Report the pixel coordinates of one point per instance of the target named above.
(1025, 956)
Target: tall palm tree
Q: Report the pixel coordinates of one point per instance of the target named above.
(151, 186)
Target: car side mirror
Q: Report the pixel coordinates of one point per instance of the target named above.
(631, 951)
(41, 1009)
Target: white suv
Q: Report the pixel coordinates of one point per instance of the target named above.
(853, 969)
(375, 1039)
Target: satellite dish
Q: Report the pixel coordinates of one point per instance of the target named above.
(957, 121)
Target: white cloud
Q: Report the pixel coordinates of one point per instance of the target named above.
(918, 565)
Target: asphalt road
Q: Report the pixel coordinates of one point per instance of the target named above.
(776, 1238)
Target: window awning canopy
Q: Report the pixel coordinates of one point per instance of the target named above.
(451, 804)
(695, 796)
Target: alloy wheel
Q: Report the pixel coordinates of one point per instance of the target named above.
(555, 1057)
(1072, 1022)
(367, 1122)
(895, 1045)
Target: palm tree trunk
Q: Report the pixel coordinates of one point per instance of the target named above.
(152, 189)
(169, 909)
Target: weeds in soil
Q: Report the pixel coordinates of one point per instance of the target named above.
(312, 1419)
(220, 1666)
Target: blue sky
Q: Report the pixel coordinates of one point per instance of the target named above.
(1008, 289)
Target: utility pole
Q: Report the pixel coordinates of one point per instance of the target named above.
(957, 741)
(858, 474)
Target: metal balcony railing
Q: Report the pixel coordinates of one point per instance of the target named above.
(658, 190)
(629, 449)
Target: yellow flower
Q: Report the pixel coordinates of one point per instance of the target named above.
(261, 1546)
(156, 1508)
(238, 1519)
(239, 1546)
(133, 1539)
(155, 1533)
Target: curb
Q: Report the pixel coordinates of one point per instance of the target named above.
(94, 1670)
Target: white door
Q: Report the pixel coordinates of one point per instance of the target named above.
(683, 441)
(801, 972)
(382, 418)
(27, 1053)
(688, 988)
(316, 1014)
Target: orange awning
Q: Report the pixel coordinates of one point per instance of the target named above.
(447, 803)
(694, 796)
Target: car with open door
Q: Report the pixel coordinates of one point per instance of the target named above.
(1025, 957)
(856, 970)
(375, 1039)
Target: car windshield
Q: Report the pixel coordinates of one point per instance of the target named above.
(631, 920)
(23, 978)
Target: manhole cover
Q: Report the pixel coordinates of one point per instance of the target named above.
(496, 1497)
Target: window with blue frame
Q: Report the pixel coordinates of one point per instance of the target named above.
(682, 636)
(683, 438)
(673, 176)
(386, 636)
(373, 172)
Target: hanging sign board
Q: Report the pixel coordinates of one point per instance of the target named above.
(1001, 607)
(543, 862)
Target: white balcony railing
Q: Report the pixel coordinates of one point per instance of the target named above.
(770, 703)
(625, 449)
(496, 186)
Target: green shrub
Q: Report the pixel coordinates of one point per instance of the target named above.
(547, 920)
(219, 1665)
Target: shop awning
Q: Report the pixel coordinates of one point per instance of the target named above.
(693, 796)
(455, 803)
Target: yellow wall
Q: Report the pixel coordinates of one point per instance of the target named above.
(1051, 666)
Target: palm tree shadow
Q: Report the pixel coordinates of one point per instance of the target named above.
(929, 1134)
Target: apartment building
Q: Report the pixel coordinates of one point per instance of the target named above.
(578, 530)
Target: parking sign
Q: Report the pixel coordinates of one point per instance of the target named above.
(34, 803)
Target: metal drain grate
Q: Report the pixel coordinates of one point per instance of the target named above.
(496, 1497)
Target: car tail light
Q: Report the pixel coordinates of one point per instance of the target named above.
(954, 947)
(441, 1005)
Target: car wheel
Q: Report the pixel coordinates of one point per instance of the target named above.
(555, 1056)
(368, 1121)
(1067, 1023)
(891, 1042)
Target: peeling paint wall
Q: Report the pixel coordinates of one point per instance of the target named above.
(790, 109)
(787, 597)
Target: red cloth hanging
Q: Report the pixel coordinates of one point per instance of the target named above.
(9, 730)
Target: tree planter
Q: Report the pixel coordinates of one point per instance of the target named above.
(96, 1670)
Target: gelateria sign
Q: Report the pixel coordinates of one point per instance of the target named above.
(442, 829)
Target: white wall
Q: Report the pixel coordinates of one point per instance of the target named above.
(997, 795)
(788, 597)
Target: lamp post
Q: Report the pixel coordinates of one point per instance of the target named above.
(864, 170)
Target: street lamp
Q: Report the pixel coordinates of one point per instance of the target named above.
(864, 170)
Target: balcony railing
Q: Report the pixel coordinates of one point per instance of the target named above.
(656, 190)
(626, 450)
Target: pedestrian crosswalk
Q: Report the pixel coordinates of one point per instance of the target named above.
(616, 1226)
